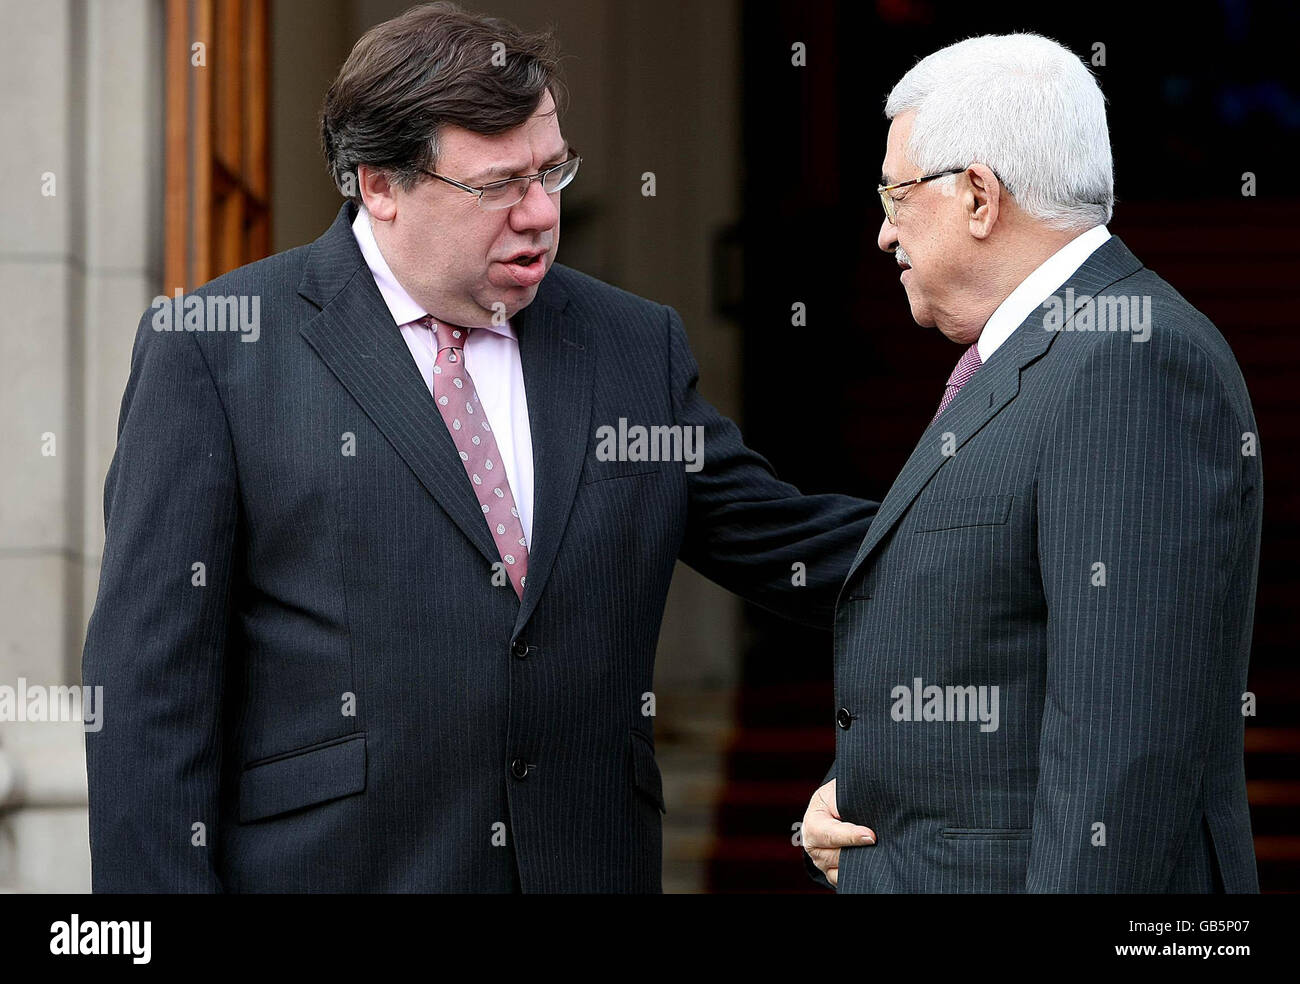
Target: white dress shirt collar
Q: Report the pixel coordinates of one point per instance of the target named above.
(1037, 287)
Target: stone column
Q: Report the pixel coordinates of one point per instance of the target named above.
(80, 258)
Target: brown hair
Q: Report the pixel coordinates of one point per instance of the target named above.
(432, 66)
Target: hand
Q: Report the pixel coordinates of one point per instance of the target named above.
(824, 833)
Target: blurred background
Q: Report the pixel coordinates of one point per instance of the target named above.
(130, 169)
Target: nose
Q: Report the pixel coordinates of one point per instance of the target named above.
(887, 237)
(537, 211)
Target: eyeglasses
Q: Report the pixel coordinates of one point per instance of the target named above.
(887, 200)
(512, 191)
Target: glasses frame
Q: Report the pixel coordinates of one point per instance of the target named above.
(887, 200)
(479, 192)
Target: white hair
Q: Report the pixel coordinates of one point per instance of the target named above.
(1024, 106)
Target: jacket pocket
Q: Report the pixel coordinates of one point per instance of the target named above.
(951, 514)
(605, 471)
(312, 775)
(988, 833)
(645, 770)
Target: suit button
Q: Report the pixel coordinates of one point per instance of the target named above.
(844, 718)
(520, 649)
(519, 768)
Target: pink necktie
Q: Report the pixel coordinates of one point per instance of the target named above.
(966, 366)
(457, 399)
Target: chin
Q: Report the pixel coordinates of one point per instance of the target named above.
(921, 314)
(515, 300)
(961, 334)
(523, 296)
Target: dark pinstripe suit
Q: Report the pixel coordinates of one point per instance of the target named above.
(1120, 704)
(370, 575)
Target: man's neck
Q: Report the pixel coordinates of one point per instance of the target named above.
(1015, 260)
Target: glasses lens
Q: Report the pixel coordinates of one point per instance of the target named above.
(887, 202)
(557, 178)
(503, 194)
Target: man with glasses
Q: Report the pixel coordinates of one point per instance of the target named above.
(374, 615)
(1041, 647)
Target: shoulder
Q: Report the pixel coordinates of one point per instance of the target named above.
(1144, 307)
(1176, 321)
(272, 276)
(244, 301)
(1144, 333)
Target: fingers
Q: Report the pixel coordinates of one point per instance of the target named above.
(823, 831)
(826, 860)
(823, 828)
(823, 837)
(824, 799)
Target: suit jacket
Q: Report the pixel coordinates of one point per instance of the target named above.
(348, 702)
(1080, 530)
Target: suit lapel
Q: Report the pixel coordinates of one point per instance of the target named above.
(355, 336)
(558, 365)
(994, 386)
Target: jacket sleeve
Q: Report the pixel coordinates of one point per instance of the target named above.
(1139, 497)
(157, 637)
(747, 530)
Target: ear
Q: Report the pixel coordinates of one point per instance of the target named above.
(377, 192)
(983, 200)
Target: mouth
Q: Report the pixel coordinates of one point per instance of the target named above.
(526, 259)
(526, 268)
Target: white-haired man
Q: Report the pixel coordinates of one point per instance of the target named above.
(1041, 648)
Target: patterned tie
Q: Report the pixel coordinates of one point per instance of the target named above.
(966, 366)
(457, 399)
